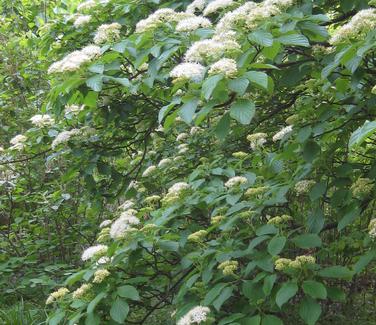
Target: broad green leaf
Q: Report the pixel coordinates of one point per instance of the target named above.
(209, 85)
(309, 310)
(271, 320)
(225, 294)
(95, 302)
(261, 37)
(223, 127)
(257, 77)
(314, 289)
(307, 241)
(56, 318)
(254, 320)
(119, 310)
(128, 291)
(362, 133)
(285, 293)
(336, 272)
(243, 111)
(294, 39)
(276, 245)
(213, 293)
(269, 283)
(187, 111)
(238, 85)
(364, 260)
(95, 82)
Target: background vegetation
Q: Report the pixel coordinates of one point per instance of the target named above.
(178, 162)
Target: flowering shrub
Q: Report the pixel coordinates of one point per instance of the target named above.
(230, 147)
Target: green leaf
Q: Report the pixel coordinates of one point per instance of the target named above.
(285, 293)
(119, 310)
(269, 283)
(238, 85)
(276, 245)
(209, 85)
(307, 241)
(257, 77)
(213, 293)
(294, 39)
(266, 230)
(95, 82)
(317, 191)
(223, 127)
(187, 111)
(271, 320)
(336, 272)
(56, 318)
(92, 319)
(309, 310)
(314, 289)
(95, 301)
(349, 217)
(311, 150)
(225, 294)
(254, 320)
(336, 294)
(128, 291)
(96, 68)
(362, 133)
(261, 37)
(243, 111)
(364, 260)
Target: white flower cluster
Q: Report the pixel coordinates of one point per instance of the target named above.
(18, 142)
(372, 228)
(82, 291)
(188, 71)
(105, 223)
(303, 187)
(182, 136)
(73, 109)
(124, 223)
(236, 181)
(75, 60)
(56, 295)
(209, 49)
(107, 33)
(192, 23)
(217, 5)
(87, 5)
(94, 252)
(363, 22)
(197, 5)
(42, 120)
(226, 66)
(126, 205)
(183, 148)
(282, 133)
(196, 315)
(149, 171)
(178, 188)
(100, 275)
(158, 18)
(164, 163)
(257, 140)
(81, 20)
(64, 136)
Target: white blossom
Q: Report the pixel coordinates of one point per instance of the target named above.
(64, 137)
(196, 315)
(178, 188)
(127, 205)
(164, 163)
(87, 5)
(75, 60)
(159, 17)
(107, 33)
(100, 275)
(73, 109)
(19, 138)
(216, 5)
(361, 23)
(105, 223)
(282, 133)
(182, 136)
(192, 23)
(194, 130)
(372, 228)
(197, 5)
(121, 225)
(188, 71)
(226, 66)
(56, 295)
(236, 181)
(93, 252)
(81, 291)
(81, 20)
(303, 186)
(42, 120)
(149, 171)
(257, 140)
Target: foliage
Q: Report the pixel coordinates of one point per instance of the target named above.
(215, 171)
